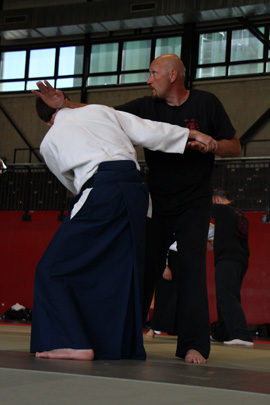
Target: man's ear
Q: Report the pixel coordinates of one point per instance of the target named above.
(173, 75)
(50, 123)
(218, 200)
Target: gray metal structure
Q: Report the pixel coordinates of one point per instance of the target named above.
(44, 19)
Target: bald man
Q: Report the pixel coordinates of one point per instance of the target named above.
(180, 187)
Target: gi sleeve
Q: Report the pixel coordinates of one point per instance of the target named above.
(153, 135)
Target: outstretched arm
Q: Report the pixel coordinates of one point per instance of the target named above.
(54, 98)
(223, 148)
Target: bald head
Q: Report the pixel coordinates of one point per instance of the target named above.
(171, 62)
(167, 79)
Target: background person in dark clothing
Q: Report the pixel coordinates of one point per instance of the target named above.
(231, 253)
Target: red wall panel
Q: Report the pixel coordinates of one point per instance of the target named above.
(22, 244)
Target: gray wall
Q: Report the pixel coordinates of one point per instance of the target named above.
(245, 100)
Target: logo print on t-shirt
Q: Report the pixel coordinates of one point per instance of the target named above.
(192, 124)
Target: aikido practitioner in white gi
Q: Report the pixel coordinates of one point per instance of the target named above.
(87, 284)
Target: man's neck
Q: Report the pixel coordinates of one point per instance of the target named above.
(178, 98)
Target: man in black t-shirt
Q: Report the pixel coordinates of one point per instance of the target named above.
(180, 188)
(231, 254)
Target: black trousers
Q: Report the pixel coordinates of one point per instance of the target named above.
(231, 323)
(190, 230)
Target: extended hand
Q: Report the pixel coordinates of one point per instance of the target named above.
(52, 97)
(167, 274)
(210, 144)
(196, 145)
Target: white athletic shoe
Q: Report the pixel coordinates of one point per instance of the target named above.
(239, 342)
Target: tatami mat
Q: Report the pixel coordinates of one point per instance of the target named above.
(233, 375)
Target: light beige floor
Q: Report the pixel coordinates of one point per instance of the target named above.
(231, 376)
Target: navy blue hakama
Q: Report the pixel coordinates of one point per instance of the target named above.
(87, 284)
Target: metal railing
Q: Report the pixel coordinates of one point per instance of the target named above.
(32, 187)
(248, 180)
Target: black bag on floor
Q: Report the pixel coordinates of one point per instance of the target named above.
(20, 315)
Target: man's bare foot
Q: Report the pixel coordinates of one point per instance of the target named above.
(67, 354)
(193, 356)
(150, 334)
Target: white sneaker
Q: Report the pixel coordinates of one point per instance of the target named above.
(239, 342)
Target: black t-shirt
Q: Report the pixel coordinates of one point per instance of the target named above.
(178, 179)
(231, 234)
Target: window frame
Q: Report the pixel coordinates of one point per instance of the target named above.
(228, 63)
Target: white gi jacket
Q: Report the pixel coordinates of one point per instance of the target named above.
(80, 139)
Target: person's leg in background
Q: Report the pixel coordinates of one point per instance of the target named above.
(229, 276)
